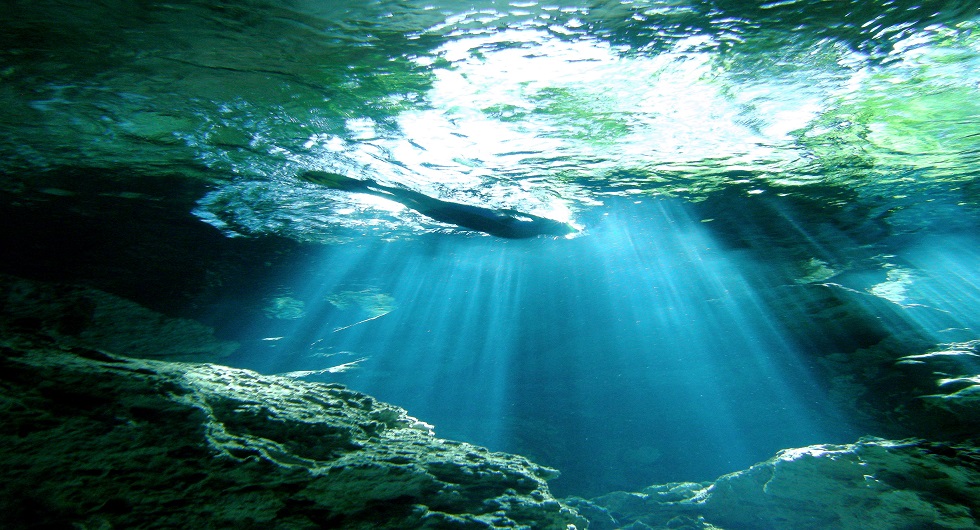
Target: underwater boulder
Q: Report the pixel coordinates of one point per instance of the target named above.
(97, 441)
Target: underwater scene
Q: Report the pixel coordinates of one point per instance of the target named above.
(490, 264)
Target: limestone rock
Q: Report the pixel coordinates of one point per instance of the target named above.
(872, 484)
(97, 441)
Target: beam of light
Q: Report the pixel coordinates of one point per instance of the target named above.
(637, 354)
(454, 353)
(693, 349)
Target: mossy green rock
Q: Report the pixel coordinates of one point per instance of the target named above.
(97, 441)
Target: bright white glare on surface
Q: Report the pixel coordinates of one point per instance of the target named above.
(517, 108)
(514, 117)
(526, 91)
(378, 203)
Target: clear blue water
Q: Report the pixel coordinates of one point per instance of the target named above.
(765, 191)
(647, 351)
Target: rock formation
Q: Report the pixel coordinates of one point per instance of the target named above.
(93, 440)
(872, 484)
(77, 316)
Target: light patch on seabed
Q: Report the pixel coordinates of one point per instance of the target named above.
(815, 270)
(369, 300)
(284, 308)
(895, 287)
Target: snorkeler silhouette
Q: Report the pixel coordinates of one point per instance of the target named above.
(509, 224)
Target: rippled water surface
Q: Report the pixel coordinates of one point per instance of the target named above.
(717, 157)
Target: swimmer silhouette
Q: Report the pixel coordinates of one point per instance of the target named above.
(509, 224)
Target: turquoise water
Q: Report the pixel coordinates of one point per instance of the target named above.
(763, 191)
(640, 353)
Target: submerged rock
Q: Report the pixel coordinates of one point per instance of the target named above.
(886, 374)
(871, 484)
(97, 441)
(949, 381)
(77, 316)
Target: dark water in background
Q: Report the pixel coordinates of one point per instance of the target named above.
(723, 158)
